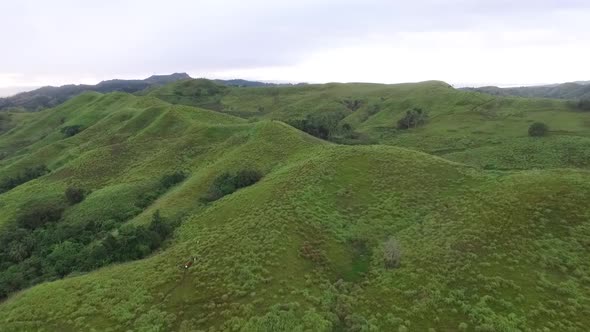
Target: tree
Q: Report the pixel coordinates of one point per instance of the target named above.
(352, 104)
(538, 129)
(70, 131)
(412, 119)
(227, 183)
(170, 180)
(159, 225)
(74, 195)
(391, 253)
(64, 257)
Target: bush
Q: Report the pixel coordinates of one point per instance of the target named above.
(538, 129)
(412, 119)
(37, 247)
(74, 195)
(227, 183)
(70, 131)
(391, 253)
(170, 180)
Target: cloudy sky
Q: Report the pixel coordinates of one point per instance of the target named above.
(463, 42)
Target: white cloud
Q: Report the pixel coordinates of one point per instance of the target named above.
(460, 41)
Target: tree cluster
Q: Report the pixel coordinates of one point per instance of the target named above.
(322, 125)
(40, 248)
(228, 183)
(27, 175)
(413, 118)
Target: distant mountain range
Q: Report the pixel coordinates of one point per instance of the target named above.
(573, 90)
(51, 96)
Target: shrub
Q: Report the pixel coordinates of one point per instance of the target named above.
(247, 177)
(170, 180)
(74, 195)
(412, 119)
(70, 131)
(538, 129)
(391, 253)
(227, 183)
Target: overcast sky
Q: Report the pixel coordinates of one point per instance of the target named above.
(463, 42)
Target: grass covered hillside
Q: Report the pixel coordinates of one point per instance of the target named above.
(152, 213)
(464, 126)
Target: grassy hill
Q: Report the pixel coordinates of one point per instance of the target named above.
(308, 247)
(573, 90)
(463, 126)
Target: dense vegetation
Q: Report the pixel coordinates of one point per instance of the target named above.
(41, 246)
(228, 183)
(412, 119)
(28, 174)
(334, 238)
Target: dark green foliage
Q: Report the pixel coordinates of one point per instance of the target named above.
(412, 119)
(39, 248)
(70, 131)
(227, 183)
(38, 216)
(166, 182)
(584, 104)
(322, 125)
(132, 242)
(74, 195)
(170, 180)
(352, 104)
(28, 175)
(538, 129)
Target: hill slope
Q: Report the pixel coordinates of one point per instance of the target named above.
(463, 126)
(574, 90)
(304, 248)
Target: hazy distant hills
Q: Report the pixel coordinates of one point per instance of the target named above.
(51, 96)
(574, 90)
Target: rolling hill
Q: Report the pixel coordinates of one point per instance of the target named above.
(467, 127)
(573, 90)
(489, 228)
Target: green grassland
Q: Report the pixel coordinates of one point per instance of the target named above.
(493, 225)
(463, 126)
